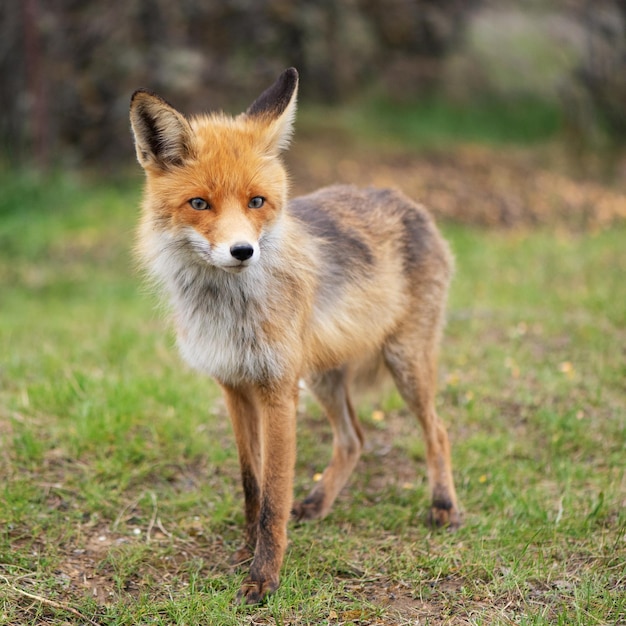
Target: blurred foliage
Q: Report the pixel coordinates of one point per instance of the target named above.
(68, 67)
(438, 122)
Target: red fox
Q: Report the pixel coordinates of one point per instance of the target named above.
(266, 292)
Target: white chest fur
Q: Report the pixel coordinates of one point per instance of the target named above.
(220, 329)
(220, 317)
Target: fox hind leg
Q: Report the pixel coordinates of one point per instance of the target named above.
(415, 374)
(331, 390)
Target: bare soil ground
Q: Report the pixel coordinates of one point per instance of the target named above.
(476, 185)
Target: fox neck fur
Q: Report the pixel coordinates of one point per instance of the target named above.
(237, 327)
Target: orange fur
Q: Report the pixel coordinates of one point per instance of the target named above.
(265, 292)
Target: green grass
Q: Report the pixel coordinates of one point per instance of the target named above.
(120, 496)
(434, 122)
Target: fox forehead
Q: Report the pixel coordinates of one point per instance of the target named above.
(233, 139)
(220, 133)
(227, 158)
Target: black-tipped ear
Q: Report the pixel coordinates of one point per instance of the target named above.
(276, 107)
(162, 135)
(275, 99)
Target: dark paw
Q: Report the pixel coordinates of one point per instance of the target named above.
(255, 591)
(444, 515)
(310, 508)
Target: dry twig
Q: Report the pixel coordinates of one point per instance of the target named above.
(48, 602)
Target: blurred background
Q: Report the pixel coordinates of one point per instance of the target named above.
(507, 119)
(68, 67)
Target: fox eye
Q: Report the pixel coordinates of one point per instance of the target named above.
(199, 204)
(256, 203)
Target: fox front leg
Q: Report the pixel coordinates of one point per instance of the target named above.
(265, 430)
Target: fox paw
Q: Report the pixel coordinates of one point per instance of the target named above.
(310, 508)
(255, 591)
(444, 515)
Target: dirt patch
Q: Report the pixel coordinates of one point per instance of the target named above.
(473, 185)
(404, 604)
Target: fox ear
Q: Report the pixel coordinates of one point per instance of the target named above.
(162, 134)
(276, 108)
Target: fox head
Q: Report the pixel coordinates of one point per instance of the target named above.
(215, 185)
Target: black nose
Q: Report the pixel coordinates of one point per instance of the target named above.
(241, 251)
